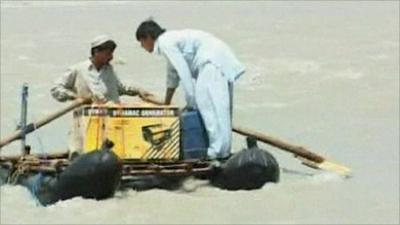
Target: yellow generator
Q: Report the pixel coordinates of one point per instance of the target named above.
(142, 132)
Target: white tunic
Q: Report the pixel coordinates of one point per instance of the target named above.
(207, 68)
(187, 51)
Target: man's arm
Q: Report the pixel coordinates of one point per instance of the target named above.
(181, 67)
(172, 83)
(62, 89)
(132, 91)
(127, 90)
(168, 95)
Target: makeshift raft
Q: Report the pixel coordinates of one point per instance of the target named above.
(154, 153)
(98, 174)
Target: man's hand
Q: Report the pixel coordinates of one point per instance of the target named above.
(190, 104)
(70, 95)
(148, 97)
(97, 99)
(144, 94)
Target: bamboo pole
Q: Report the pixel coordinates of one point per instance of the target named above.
(47, 119)
(298, 150)
(47, 156)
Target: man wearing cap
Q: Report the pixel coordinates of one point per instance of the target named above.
(207, 68)
(93, 78)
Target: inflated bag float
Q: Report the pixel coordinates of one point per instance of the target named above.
(248, 169)
(93, 175)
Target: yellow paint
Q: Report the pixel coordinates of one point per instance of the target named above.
(138, 131)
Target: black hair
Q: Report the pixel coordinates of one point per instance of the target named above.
(108, 45)
(149, 28)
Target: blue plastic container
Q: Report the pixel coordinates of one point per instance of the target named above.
(194, 139)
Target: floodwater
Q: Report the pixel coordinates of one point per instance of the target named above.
(324, 75)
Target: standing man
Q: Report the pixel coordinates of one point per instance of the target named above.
(93, 78)
(207, 68)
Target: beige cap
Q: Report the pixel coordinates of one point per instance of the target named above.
(99, 40)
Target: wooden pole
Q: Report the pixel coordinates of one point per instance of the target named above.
(24, 113)
(297, 150)
(36, 125)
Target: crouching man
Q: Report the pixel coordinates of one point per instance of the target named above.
(207, 69)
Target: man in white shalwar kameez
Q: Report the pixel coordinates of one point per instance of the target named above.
(207, 68)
